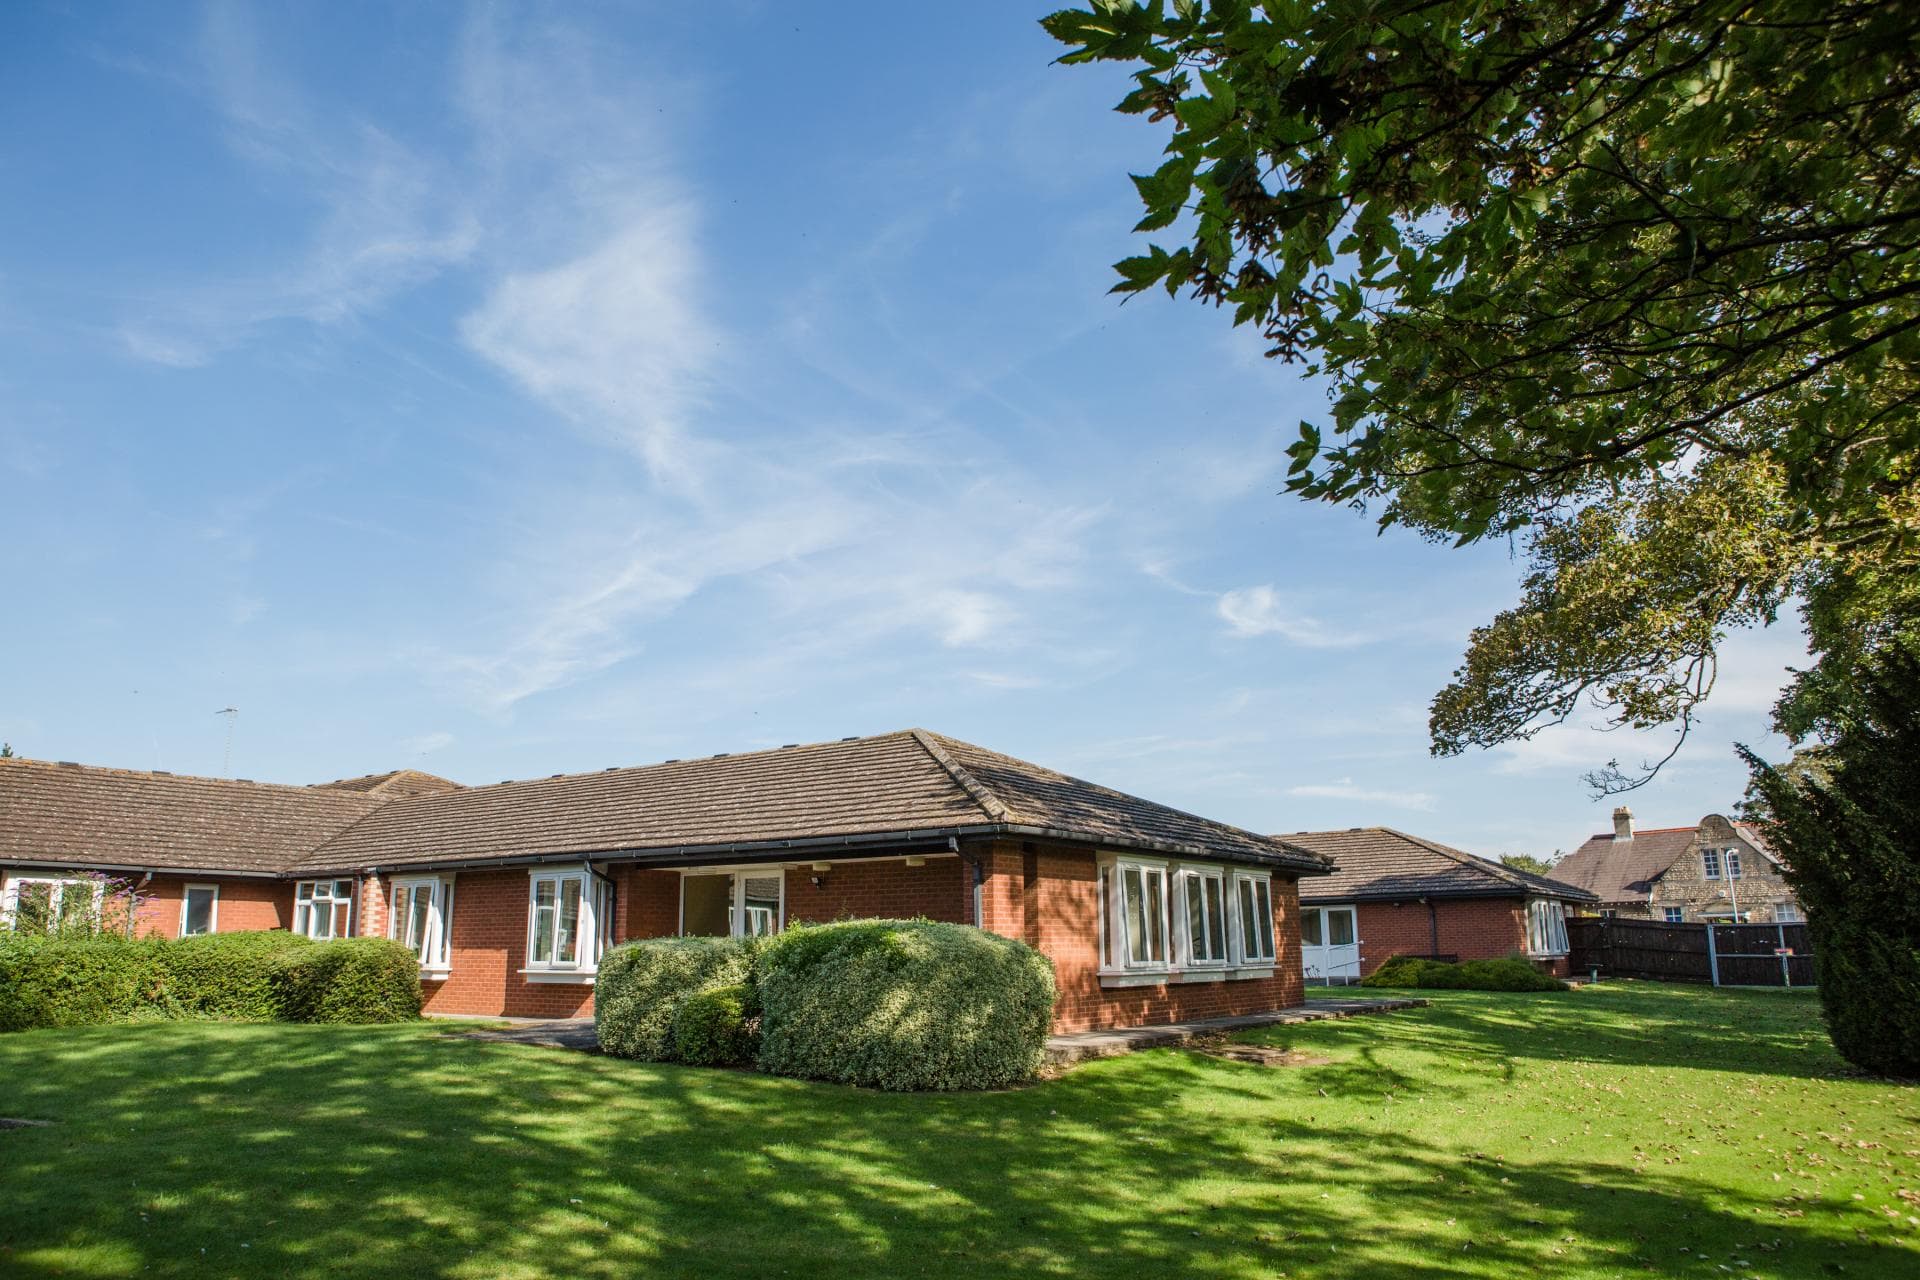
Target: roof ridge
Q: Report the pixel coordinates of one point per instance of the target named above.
(162, 774)
(1500, 870)
(976, 790)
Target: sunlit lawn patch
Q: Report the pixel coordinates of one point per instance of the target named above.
(1622, 1130)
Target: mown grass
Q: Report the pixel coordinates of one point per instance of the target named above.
(1622, 1130)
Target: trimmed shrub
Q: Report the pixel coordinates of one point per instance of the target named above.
(903, 1004)
(711, 1028)
(228, 975)
(74, 982)
(640, 986)
(348, 980)
(1509, 973)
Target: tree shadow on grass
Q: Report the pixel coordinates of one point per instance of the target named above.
(372, 1152)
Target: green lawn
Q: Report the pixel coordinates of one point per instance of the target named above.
(1621, 1130)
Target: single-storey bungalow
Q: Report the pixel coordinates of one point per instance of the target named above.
(1395, 894)
(510, 893)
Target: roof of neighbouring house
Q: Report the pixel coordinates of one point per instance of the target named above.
(70, 814)
(1372, 863)
(888, 785)
(393, 784)
(1616, 870)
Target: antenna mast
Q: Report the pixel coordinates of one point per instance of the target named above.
(226, 761)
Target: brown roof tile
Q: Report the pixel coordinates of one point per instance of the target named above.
(112, 818)
(393, 784)
(1624, 870)
(894, 783)
(1379, 862)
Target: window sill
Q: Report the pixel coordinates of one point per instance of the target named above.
(1262, 971)
(435, 975)
(1121, 978)
(582, 976)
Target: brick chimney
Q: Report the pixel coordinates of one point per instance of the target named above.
(1623, 823)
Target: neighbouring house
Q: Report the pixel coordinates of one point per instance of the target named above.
(1718, 870)
(510, 893)
(1395, 894)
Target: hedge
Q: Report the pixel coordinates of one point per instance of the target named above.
(1510, 973)
(640, 985)
(716, 1028)
(903, 1004)
(228, 975)
(260, 976)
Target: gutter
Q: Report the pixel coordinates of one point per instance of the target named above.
(147, 869)
(1335, 899)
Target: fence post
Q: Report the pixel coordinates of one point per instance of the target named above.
(1786, 965)
(1713, 955)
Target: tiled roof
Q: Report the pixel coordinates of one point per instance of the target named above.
(890, 784)
(393, 784)
(1624, 870)
(109, 818)
(1379, 862)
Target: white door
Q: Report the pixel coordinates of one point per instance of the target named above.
(1330, 944)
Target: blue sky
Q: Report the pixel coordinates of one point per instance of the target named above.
(501, 392)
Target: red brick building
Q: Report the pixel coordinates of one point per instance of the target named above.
(1394, 894)
(510, 893)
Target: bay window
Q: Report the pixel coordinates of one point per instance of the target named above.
(1546, 928)
(422, 921)
(323, 909)
(569, 924)
(1175, 922)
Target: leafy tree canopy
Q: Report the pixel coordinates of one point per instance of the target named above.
(1638, 284)
(1527, 862)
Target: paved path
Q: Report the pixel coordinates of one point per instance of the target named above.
(1062, 1051)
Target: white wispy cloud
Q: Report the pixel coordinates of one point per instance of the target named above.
(1348, 789)
(1251, 612)
(427, 743)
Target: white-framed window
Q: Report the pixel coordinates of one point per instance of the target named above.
(49, 904)
(1733, 864)
(1202, 912)
(1710, 863)
(323, 909)
(422, 920)
(1676, 915)
(569, 923)
(1788, 913)
(1253, 898)
(199, 910)
(1546, 927)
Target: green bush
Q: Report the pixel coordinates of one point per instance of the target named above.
(228, 975)
(348, 980)
(903, 1004)
(711, 1028)
(73, 982)
(640, 985)
(1509, 973)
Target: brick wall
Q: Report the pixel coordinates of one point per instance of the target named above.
(1048, 895)
(888, 889)
(244, 905)
(1470, 929)
(489, 947)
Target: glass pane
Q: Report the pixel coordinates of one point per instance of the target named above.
(1216, 921)
(760, 905)
(1132, 887)
(419, 918)
(1157, 915)
(302, 918)
(343, 888)
(1106, 918)
(1309, 921)
(76, 905)
(566, 947)
(544, 893)
(706, 905)
(199, 911)
(304, 892)
(33, 908)
(1340, 928)
(1196, 918)
(338, 926)
(1264, 894)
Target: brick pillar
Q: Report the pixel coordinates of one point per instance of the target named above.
(370, 915)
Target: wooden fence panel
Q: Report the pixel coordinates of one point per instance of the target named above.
(1746, 954)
